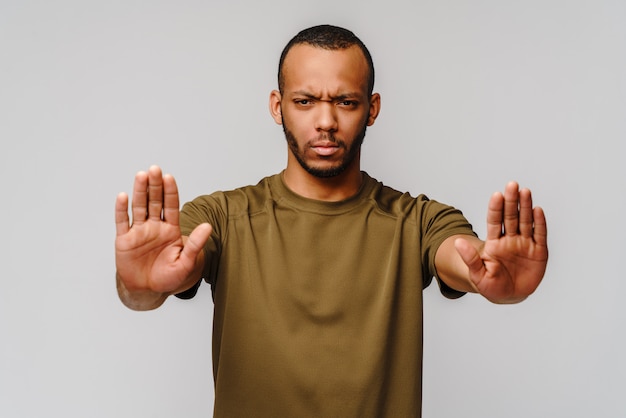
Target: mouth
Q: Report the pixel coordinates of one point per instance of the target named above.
(325, 149)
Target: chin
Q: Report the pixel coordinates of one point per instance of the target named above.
(325, 170)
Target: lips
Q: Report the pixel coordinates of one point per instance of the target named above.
(325, 148)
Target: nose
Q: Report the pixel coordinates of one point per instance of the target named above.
(326, 117)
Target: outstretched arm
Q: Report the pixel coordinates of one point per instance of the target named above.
(508, 266)
(152, 258)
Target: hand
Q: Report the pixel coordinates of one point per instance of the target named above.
(512, 261)
(152, 258)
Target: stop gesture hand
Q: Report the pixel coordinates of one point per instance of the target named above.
(512, 261)
(153, 260)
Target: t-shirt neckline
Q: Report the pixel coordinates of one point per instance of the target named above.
(287, 196)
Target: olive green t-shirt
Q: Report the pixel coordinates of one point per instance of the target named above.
(318, 305)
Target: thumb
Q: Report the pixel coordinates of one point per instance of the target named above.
(196, 241)
(470, 256)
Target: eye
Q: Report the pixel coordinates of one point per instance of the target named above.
(348, 103)
(303, 102)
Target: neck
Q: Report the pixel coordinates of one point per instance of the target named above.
(330, 189)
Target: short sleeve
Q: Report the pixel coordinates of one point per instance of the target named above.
(205, 209)
(439, 222)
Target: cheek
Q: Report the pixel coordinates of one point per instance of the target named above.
(300, 125)
(354, 123)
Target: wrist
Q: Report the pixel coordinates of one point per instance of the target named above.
(141, 300)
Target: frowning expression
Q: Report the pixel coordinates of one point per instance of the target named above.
(324, 108)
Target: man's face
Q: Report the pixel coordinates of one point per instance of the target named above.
(324, 107)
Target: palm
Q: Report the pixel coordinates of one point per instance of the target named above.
(148, 252)
(513, 260)
(513, 268)
(151, 254)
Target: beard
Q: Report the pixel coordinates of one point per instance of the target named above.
(350, 154)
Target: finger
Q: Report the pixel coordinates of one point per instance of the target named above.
(525, 213)
(495, 216)
(195, 243)
(470, 256)
(171, 205)
(540, 234)
(140, 198)
(511, 208)
(155, 193)
(121, 214)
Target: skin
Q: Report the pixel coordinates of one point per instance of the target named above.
(324, 109)
(509, 265)
(152, 258)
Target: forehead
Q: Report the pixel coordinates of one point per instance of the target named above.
(312, 68)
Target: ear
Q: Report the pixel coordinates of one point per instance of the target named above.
(374, 109)
(275, 107)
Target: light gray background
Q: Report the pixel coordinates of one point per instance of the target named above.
(474, 93)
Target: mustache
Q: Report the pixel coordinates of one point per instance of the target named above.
(327, 137)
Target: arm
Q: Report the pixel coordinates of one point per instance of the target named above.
(508, 266)
(152, 258)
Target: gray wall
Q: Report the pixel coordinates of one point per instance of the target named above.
(474, 94)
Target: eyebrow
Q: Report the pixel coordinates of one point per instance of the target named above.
(343, 96)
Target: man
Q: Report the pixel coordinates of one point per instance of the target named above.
(317, 272)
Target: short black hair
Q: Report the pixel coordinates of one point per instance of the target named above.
(327, 37)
